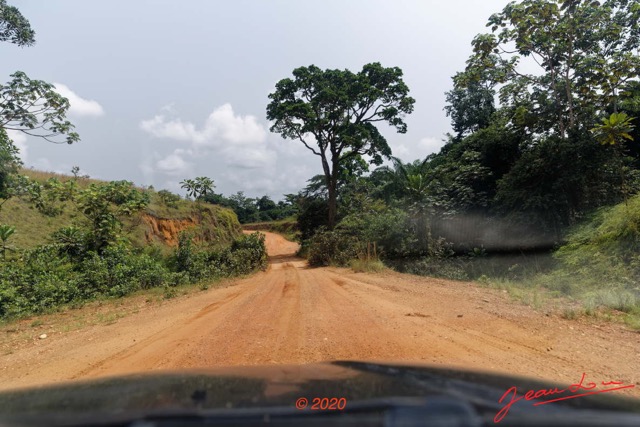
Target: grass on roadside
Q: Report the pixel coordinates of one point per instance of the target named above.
(600, 291)
(363, 265)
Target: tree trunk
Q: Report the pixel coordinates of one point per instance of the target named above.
(333, 202)
(331, 177)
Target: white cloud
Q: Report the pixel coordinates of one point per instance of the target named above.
(78, 105)
(235, 150)
(20, 141)
(401, 151)
(238, 140)
(173, 129)
(222, 125)
(236, 129)
(431, 145)
(174, 164)
(249, 157)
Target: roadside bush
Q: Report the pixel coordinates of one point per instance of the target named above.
(389, 229)
(446, 268)
(168, 198)
(245, 255)
(251, 248)
(39, 281)
(332, 248)
(57, 274)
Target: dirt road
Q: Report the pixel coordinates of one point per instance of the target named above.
(295, 314)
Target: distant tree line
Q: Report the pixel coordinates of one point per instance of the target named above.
(255, 209)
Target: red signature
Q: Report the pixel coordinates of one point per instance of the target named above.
(578, 390)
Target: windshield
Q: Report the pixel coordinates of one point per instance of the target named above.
(231, 186)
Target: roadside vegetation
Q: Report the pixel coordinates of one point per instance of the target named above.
(253, 210)
(66, 240)
(535, 192)
(93, 254)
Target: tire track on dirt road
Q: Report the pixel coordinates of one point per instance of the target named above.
(293, 314)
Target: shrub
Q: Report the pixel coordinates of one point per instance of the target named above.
(332, 248)
(39, 281)
(448, 268)
(389, 229)
(168, 198)
(56, 274)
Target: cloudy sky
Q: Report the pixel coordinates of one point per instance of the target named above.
(166, 90)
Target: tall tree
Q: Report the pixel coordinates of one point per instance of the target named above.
(29, 106)
(470, 104)
(334, 114)
(585, 51)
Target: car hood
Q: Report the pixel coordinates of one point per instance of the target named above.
(282, 385)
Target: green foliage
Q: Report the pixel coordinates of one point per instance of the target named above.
(184, 253)
(470, 104)
(612, 233)
(104, 205)
(6, 231)
(199, 187)
(52, 275)
(71, 241)
(29, 106)
(363, 265)
(9, 164)
(250, 210)
(332, 248)
(34, 196)
(245, 255)
(312, 216)
(598, 269)
(14, 27)
(557, 182)
(168, 198)
(35, 108)
(390, 229)
(39, 282)
(614, 129)
(586, 53)
(333, 113)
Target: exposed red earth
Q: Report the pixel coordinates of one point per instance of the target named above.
(293, 314)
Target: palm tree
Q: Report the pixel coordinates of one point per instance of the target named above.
(613, 131)
(411, 182)
(6, 231)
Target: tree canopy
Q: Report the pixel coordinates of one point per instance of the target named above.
(29, 106)
(35, 108)
(334, 114)
(15, 28)
(585, 52)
